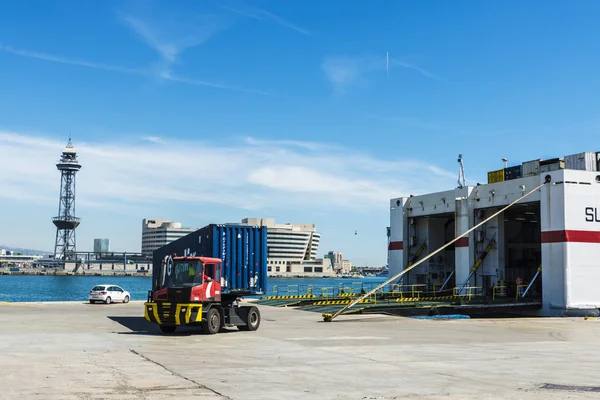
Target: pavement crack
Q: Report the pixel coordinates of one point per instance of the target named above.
(201, 386)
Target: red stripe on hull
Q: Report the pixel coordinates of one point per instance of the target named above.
(462, 242)
(396, 245)
(571, 236)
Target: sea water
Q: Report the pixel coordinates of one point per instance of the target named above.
(28, 288)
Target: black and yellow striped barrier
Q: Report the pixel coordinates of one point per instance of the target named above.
(413, 299)
(337, 302)
(306, 296)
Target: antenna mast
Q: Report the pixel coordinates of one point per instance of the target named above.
(461, 173)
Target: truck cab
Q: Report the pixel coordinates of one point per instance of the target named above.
(187, 291)
(192, 279)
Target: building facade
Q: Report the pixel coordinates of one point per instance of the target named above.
(339, 265)
(289, 242)
(160, 232)
(101, 245)
(292, 248)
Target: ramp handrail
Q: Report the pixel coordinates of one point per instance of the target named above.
(479, 261)
(447, 280)
(498, 291)
(470, 289)
(520, 289)
(329, 317)
(533, 280)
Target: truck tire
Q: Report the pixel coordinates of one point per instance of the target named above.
(167, 328)
(212, 324)
(253, 321)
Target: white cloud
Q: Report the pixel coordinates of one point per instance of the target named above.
(346, 70)
(263, 15)
(247, 175)
(342, 71)
(415, 68)
(154, 139)
(170, 35)
(64, 60)
(164, 74)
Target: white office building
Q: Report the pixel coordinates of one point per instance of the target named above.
(291, 248)
(160, 232)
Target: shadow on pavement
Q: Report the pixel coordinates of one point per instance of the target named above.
(136, 325)
(139, 326)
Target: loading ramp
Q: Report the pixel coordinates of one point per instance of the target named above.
(328, 317)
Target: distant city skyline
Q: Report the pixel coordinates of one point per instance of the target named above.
(207, 112)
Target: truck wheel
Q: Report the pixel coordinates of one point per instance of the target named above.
(167, 328)
(212, 324)
(253, 321)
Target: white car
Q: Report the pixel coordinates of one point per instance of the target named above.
(108, 294)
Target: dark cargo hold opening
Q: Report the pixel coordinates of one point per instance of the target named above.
(523, 247)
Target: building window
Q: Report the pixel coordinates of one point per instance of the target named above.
(308, 269)
(318, 269)
(269, 268)
(288, 268)
(276, 269)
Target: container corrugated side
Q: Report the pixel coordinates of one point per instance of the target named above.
(531, 168)
(242, 248)
(585, 161)
(496, 176)
(512, 173)
(552, 165)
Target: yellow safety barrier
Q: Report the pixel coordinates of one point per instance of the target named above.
(325, 292)
(415, 299)
(337, 302)
(520, 290)
(396, 290)
(499, 291)
(469, 289)
(293, 288)
(307, 296)
(373, 298)
(418, 292)
(406, 299)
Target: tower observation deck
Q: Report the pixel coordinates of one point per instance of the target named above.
(66, 221)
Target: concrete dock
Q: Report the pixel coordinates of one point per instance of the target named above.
(80, 351)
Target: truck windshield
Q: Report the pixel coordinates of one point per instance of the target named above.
(186, 274)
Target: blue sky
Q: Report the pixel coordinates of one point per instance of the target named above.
(211, 111)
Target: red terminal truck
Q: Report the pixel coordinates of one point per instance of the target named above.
(220, 264)
(193, 297)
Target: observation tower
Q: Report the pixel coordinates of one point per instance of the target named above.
(66, 221)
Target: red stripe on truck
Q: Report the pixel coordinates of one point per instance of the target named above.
(396, 245)
(571, 236)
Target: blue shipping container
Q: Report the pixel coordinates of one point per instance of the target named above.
(513, 172)
(242, 248)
